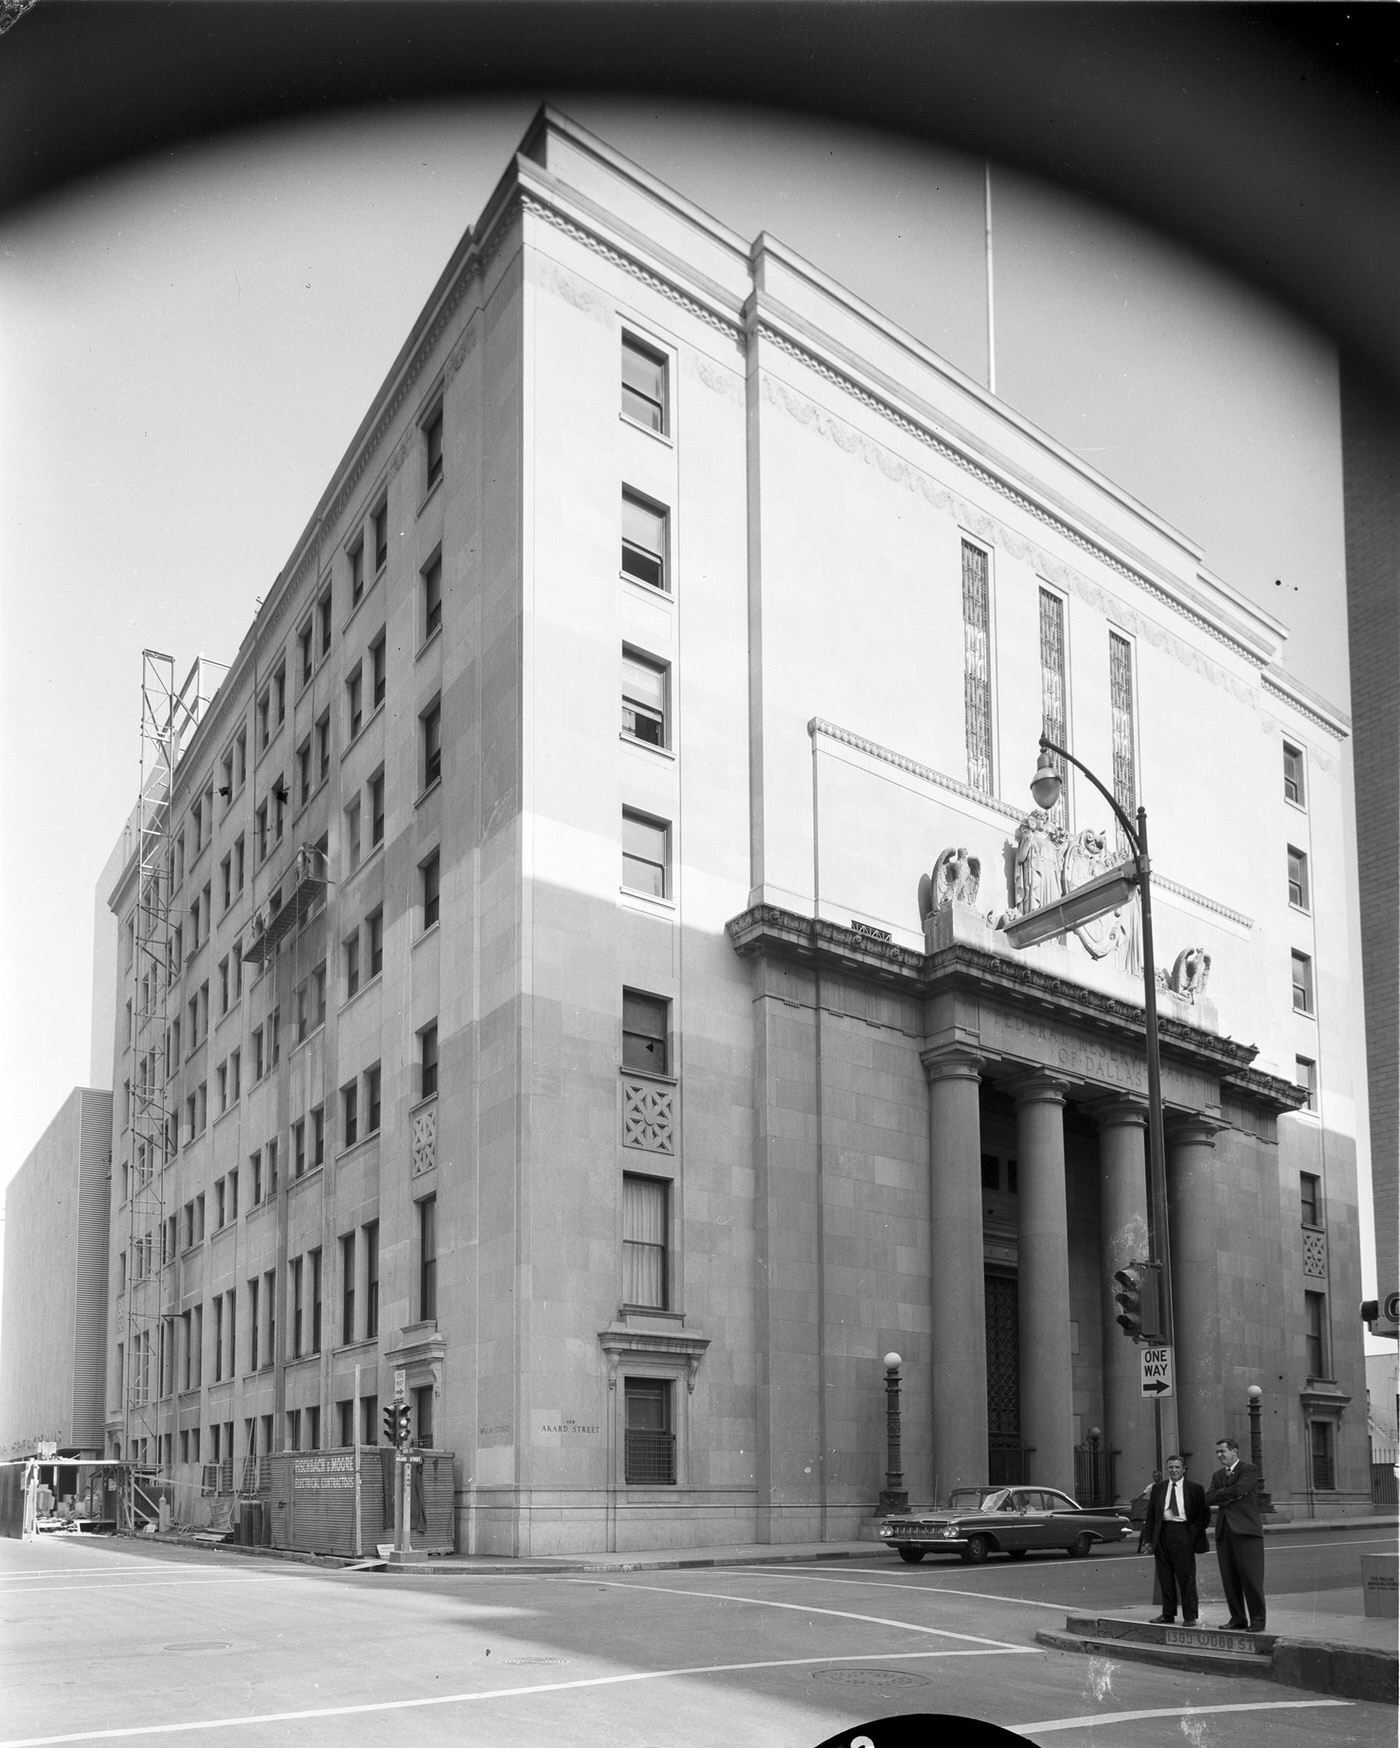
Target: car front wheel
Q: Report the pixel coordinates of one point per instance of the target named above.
(1082, 1545)
(976, 1551)
(911, 1556)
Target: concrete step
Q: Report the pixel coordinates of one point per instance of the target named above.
(1174, 1647)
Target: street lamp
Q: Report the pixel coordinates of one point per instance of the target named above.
(1045, 787)
(892, 1494)
(1256, 1447)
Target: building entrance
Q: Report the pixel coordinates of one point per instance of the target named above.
(1006, 1457)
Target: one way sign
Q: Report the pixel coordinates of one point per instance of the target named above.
(1157, 1372)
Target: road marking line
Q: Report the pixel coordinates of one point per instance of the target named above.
(873, 1620)
(449, 1699)
(1090, 1722)
(891, 1582)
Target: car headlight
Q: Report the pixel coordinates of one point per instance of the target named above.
(950, 1530)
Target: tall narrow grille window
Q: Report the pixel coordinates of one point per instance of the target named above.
(977, 668)
(650, 1453)
(1120, 687)
(1052, 683)
(644, 1242)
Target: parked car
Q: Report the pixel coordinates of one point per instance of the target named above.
(978, 1521)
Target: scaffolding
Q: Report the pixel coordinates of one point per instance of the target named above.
(168, 719)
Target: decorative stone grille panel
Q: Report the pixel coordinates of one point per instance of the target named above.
(648, 1116)
(424, 1139)
(1315, 1254)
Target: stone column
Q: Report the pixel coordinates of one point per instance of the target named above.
(1129, 1422)
(1042, 1250)
(1196, 1238)
(959, 1371)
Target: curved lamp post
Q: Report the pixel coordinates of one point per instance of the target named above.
(1045, 787)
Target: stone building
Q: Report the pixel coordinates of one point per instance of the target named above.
(54, 1330)
(571, 975)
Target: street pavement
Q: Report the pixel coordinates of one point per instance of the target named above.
(135, 1641)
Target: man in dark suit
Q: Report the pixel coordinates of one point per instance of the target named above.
(1239, 1536)
(1175, 1530)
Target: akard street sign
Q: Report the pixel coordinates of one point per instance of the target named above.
(1157, 1372)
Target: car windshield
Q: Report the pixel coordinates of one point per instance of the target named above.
(975, 1499)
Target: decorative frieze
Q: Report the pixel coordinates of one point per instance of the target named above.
(1315, 1255)
(424, 1139)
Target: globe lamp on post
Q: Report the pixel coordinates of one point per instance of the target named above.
(892, 1495)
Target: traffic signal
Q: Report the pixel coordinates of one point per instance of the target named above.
(1128, 1293)
(391, 1426)
(403, 1414)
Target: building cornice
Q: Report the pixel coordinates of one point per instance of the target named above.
(1307, 703)
(819, 944)
(897, 411)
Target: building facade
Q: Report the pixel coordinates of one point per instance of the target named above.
(54, 1328)
(568, 954)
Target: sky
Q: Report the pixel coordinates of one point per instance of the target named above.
(188, 344)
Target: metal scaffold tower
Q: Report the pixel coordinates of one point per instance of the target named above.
(149, 1361)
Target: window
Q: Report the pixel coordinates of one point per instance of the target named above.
(644, 384)
(354, 701)
(1293, 789)
(1305, 1074)
(272, 1167)
(644, 1224)
(644, 541)
(299, 1148)
(650, 1445)
(369, 1420)
(223, 986)
(323, 747)
(270, 1305)
(377, 659)
(379, 522)
(349, 1114)
(1310, 1198)
(294, 1310)
(257, 1043)
(279, 694)
(306, 650)
(376, 809)
(1297, 879)
(644, 1032)
(318, 995)
(427, 1259)
(644, 700)
(294, 1429)
(226, 880)
(345, 1410)
(432, 596)
(1302, 984)
(323, 621)
(423, 1416)
(1315, 1333)
(432, 449)
(351, 947)
(373, 1083)
(274, 1032)
(260, 831)
(352, 835)
(1053, 717)
(318, 1135)
(255, 1167)
(1320, 1452)
(238, 848)
(428, 1061)
(226, 787)
(646, 854)
(347, 1291)
(430, 738)
(235, 1071)
(429, 874)
(371, 1232)
(977, 667)
(356, 558)
(304, 772)
(314, 1259)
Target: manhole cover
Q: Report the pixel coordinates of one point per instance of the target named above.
(201, 1645)
(869, 1677)
(519, 1660)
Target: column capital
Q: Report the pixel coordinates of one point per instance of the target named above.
(1120, 1111)
(1193, 1129)
(1039, 1086)
(952, 1062)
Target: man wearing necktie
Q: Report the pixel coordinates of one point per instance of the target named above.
(1176, 1532)
(1239, 1536)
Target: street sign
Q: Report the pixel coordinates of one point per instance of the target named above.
(400, 1383)
(1157, 1372)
